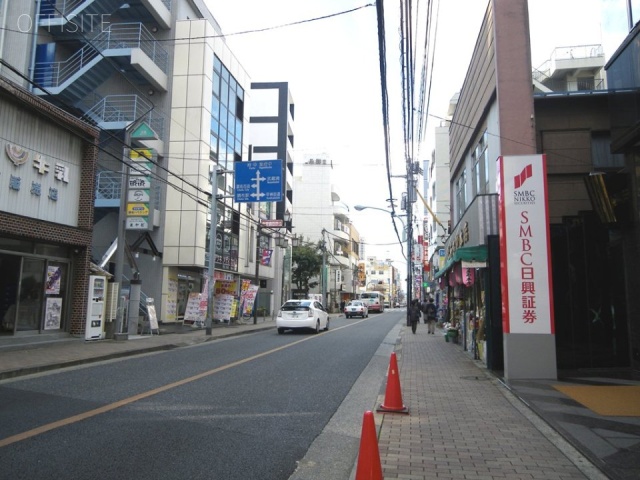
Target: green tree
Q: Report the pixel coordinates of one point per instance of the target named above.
(307, 263)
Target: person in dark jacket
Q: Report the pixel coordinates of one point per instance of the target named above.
(430, 312)
(414, 314)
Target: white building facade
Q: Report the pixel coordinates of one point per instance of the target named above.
(320, 215)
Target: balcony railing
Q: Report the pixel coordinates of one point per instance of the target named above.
(117, 36)
(108, 185)
(581, 85)
(109, 188)
(121, 110)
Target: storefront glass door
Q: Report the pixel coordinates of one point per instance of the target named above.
(31, 294)
(10, 268)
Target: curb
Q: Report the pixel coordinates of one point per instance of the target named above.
(179, 341)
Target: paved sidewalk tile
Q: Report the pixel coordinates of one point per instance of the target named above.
(460, 426)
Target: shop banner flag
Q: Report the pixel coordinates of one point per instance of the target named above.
(266, 257)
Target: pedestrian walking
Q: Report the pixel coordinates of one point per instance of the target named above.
(430, 313)
(414, 314)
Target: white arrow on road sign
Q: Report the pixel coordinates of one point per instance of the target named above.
(257, 179)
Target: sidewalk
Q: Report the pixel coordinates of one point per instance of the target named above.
(463, 422)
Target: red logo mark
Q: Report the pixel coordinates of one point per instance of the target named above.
(518, 180)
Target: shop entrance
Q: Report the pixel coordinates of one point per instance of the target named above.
(31, 294)
(32, 289)
(9, 281)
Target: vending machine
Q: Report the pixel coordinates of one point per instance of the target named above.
(94, 329)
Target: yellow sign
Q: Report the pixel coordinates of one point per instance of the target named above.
(141, 153)
(137, 209)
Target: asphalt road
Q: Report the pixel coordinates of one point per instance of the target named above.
(255, 406)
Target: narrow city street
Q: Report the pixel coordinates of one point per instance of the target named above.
(242, 408)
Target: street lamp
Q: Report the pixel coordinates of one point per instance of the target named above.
(393, 215)
(408, 257)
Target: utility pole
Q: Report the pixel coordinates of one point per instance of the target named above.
(412, 168)
(258, 259)
(120, 320)
(324, 271)
(213, 233)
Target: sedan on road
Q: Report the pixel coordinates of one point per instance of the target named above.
(356, 308)
(298, 314)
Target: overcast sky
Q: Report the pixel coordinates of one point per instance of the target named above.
(333, 70)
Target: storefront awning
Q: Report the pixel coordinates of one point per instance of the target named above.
(471, 257)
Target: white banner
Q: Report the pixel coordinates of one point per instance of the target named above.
(527, 295)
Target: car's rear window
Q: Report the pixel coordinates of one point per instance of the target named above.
(291, 307)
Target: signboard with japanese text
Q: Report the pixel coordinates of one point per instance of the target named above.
(527, 295)
(258, 181)
(39, 181)
(139, 190)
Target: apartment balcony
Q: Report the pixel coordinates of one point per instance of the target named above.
(571, 69)
(129, 47)
(341, 211)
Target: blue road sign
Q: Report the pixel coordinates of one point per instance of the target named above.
(258, 181)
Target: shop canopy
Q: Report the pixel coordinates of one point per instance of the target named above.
(471, 257)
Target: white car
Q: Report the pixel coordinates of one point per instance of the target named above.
(307, 314)
(356, 308)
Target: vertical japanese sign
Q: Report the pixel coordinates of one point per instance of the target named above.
(139, 205)
(527, 295)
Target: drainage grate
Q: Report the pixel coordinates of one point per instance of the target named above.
(474, 377)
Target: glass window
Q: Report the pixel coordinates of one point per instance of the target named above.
(224, 93)
(16, 245)
(224, 113)
(215, 109)
(461, 200)
(216, 85)
(32, 290)
(231, 122)
(232, 102)
(475, 175)
(217, 65)
(230, 141)
(213, 144)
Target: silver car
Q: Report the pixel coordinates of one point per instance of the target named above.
(307, 314)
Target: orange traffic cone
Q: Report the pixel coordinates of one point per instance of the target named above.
(369, 466)
(393, 395)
